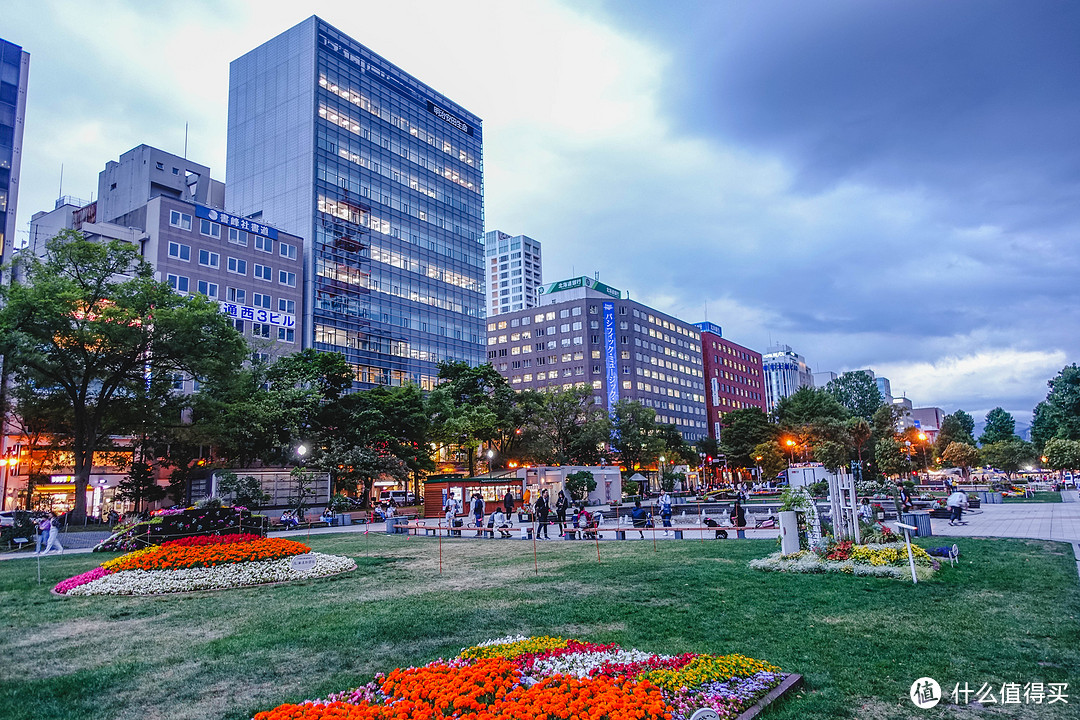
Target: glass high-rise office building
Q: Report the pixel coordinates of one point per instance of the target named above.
(14, 72)
(383, 177)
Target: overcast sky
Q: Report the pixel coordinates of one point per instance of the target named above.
(880, 184)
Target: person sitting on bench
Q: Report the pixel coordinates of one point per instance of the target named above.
(639, 516)
(498, 521)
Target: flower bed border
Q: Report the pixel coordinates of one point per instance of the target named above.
(789, 682)
(211, 590)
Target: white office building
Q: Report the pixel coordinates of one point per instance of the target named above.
(513, 272)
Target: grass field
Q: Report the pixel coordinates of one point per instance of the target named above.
(1008, 612)
(1038, 497)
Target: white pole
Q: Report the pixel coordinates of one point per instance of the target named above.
(910, 557)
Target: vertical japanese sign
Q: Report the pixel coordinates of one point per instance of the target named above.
(610, 357)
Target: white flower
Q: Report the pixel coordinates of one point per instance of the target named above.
(157, 582)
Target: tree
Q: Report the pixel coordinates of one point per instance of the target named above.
(670, 478)
(565, 427)
(857, 391)
(770, 458)
(1059, 415)
(807, 406)
(1000, 426)
(140, 486)
(860, 433)
(354, 467)
(890, 458)
(93, 326)
(742, 431)
(832, 455)
(468, 408)
(1007, 455)
(247, 491)
(633, 435)
(955, 427)
(1062, 454)
(961, 455)
(579, 484)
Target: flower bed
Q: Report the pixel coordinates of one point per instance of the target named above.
(874, 559)
(209, 563)
(166, 525)
(551, 678)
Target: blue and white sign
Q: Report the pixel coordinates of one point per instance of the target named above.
(259, 315)
(235, 221)
(610, 358)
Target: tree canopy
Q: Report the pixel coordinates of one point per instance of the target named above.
(1000, 426)
(857, 391)
(92, 326)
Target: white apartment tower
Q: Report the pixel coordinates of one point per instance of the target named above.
(513, 272)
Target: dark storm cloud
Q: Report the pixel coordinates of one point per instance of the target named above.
(980, 99)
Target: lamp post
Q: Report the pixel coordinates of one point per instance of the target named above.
(926, 460)
(791, 448)
(490, 455)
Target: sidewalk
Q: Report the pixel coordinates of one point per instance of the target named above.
(1043, 521)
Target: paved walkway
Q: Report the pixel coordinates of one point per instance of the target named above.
(1044, 521)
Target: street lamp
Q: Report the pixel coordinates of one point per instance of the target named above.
(302, 450)
(490, 455)
(791, 447)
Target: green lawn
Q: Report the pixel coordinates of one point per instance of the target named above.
(1039, 497)
(1007, 613)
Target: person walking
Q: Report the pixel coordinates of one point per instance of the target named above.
(508, 503)
(54, 535)
(44, 525)
(738, 518)
(665, 509)
(478, 513)
(542, 509)
(560, 512)
(956, 504)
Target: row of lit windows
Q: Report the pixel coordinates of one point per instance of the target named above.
(354, 214)
(387, 376)
(364, 103)
(351, 184)
(412, 264)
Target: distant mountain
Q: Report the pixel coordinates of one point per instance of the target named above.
(1023, 429)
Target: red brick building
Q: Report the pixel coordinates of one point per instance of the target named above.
(733, 376)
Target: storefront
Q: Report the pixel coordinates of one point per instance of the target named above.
(493, 488)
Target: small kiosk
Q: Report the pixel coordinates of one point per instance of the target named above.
(492, 487)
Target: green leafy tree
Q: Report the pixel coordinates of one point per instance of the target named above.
(465, 409)
(565, 427)
(1059, 415)
(770, 458)
(833, 455)
(674, 447)
(1000, 426)
(1007, 455)
(93, 326)
(859, 433)
(354, 468)
(889, 456)
(669, 479)
(140, 486)
(633, 435)
(807, 406)
(579, 484)
(857, 391)
(961, 455)
(742, 431)
(246, 491)
(955, 427)
(1062, 454)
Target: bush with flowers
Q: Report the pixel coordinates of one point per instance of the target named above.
(550, 678)
(176, 523)
(887, 559)
(203, 563)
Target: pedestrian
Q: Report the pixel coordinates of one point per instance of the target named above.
(639, 516)
(542, 508)
(54, 535)
(478, 513)
(738, 518)
(560, 512)
(866, 513)
(449, 511)
(902, 500)
(508, 503)
(956, 504)
(44, 525)
(665, 509)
